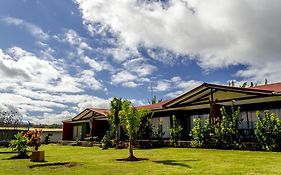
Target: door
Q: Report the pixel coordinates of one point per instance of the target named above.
(77, 132)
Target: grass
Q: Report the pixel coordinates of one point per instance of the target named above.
(92, 160)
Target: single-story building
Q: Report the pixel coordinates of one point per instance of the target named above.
(90, 122)
(206, 100)
(54, 134)
(203, 101)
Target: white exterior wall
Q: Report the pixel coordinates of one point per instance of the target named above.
(165, 125)
(56, 136)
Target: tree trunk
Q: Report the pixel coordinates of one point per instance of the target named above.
(131, 155)
(116, 138)
(131, 149)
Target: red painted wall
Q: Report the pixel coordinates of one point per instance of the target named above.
(67, 131)
(100, 127)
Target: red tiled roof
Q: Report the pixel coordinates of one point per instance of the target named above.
(270, 87)
(154, 106)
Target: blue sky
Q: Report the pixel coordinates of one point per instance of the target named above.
(59, 57)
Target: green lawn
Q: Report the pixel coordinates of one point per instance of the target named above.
(92, 160)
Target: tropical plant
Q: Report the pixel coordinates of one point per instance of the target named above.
(130, 119)
(115, 107)
(19, 144)
(175, 132)
(34, 138)
(268, 131)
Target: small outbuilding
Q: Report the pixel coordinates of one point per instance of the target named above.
(88, 123)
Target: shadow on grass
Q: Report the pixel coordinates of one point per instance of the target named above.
(25, 156)
(135, 159)
(175, 162)
(64, 164)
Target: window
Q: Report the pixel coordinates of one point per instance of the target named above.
(203, 118)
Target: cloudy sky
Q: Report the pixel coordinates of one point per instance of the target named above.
(59, 57)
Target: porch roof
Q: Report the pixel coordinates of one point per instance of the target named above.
(201, 96)
(91, 113)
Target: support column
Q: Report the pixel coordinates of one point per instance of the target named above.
(215, 113)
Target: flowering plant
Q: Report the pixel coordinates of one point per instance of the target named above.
(34, 138)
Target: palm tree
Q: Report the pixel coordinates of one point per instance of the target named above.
(130, 119)
(115, 107)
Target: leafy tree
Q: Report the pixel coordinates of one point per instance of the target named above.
(9, 118)
(175, 132)
(130, 119)
(115, 107)
(268, 131)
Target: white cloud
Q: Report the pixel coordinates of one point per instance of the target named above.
(182, 86)
(162, 86)
(92, 63)
(20, 63)
(130, 84)
(123, 77)
(87, 77)
(26, 104)
(22, 68)
(140, 67)
(74, 39)
(51, 118)
(33, 29)
(121, 53)
(94, 102)
(217, 33)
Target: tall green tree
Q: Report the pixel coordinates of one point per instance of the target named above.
(154, 100)
(130, 118)
(115, 108)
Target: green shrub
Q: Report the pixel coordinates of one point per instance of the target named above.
(175, 132)
(20, 144)
(160, 132)
(226, 134)
(200, 134)
(91, 139)
(145, 131)
(268, 131)
(222, 134)
(107, 140)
